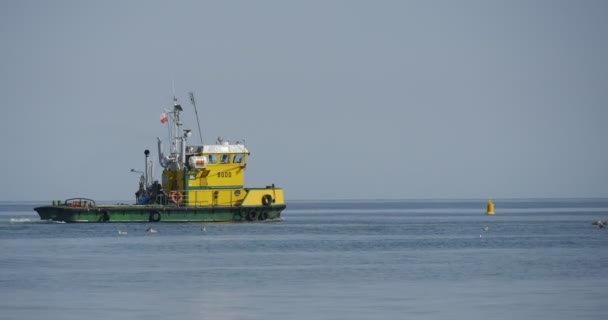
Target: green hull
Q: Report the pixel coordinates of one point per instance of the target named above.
(159, 213)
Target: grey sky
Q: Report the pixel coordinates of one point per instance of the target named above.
(335, 99)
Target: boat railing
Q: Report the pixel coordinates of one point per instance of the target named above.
(215, 198)
(77, 202)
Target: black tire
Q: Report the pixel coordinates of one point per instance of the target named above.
(263, 215)
(240, 215)
(252, 216)
(106, 216)
(267, 200)
(154, 216)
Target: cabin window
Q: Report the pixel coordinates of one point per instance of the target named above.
(238, 158)
(225, 159)
(212, 159)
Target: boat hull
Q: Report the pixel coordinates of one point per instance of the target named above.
(158, 213)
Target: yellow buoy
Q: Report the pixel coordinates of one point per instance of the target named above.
(490, 209)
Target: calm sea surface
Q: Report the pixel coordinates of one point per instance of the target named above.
(538, 259)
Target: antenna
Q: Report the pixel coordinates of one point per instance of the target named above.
(173, 87)
(176, 120)
(196, 112)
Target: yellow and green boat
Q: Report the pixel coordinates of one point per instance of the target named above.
(200, 183)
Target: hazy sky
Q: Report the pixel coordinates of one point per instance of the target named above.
(335, 99)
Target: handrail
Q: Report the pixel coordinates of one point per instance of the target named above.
(211, 198)
(79, 202)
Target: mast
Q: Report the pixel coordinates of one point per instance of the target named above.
(177, 157)
(178, 139)
(196, 112)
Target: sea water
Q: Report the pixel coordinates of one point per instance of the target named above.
(414, 259)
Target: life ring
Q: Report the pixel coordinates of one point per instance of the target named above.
(263, 215)
(154, 216)
(177, 197)
(105, 216)
(252, 215)
(266, 200)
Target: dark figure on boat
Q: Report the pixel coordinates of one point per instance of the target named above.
(154, 194)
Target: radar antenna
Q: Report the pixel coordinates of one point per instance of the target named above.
(196, 112)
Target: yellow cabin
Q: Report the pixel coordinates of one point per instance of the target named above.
(214, 175)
